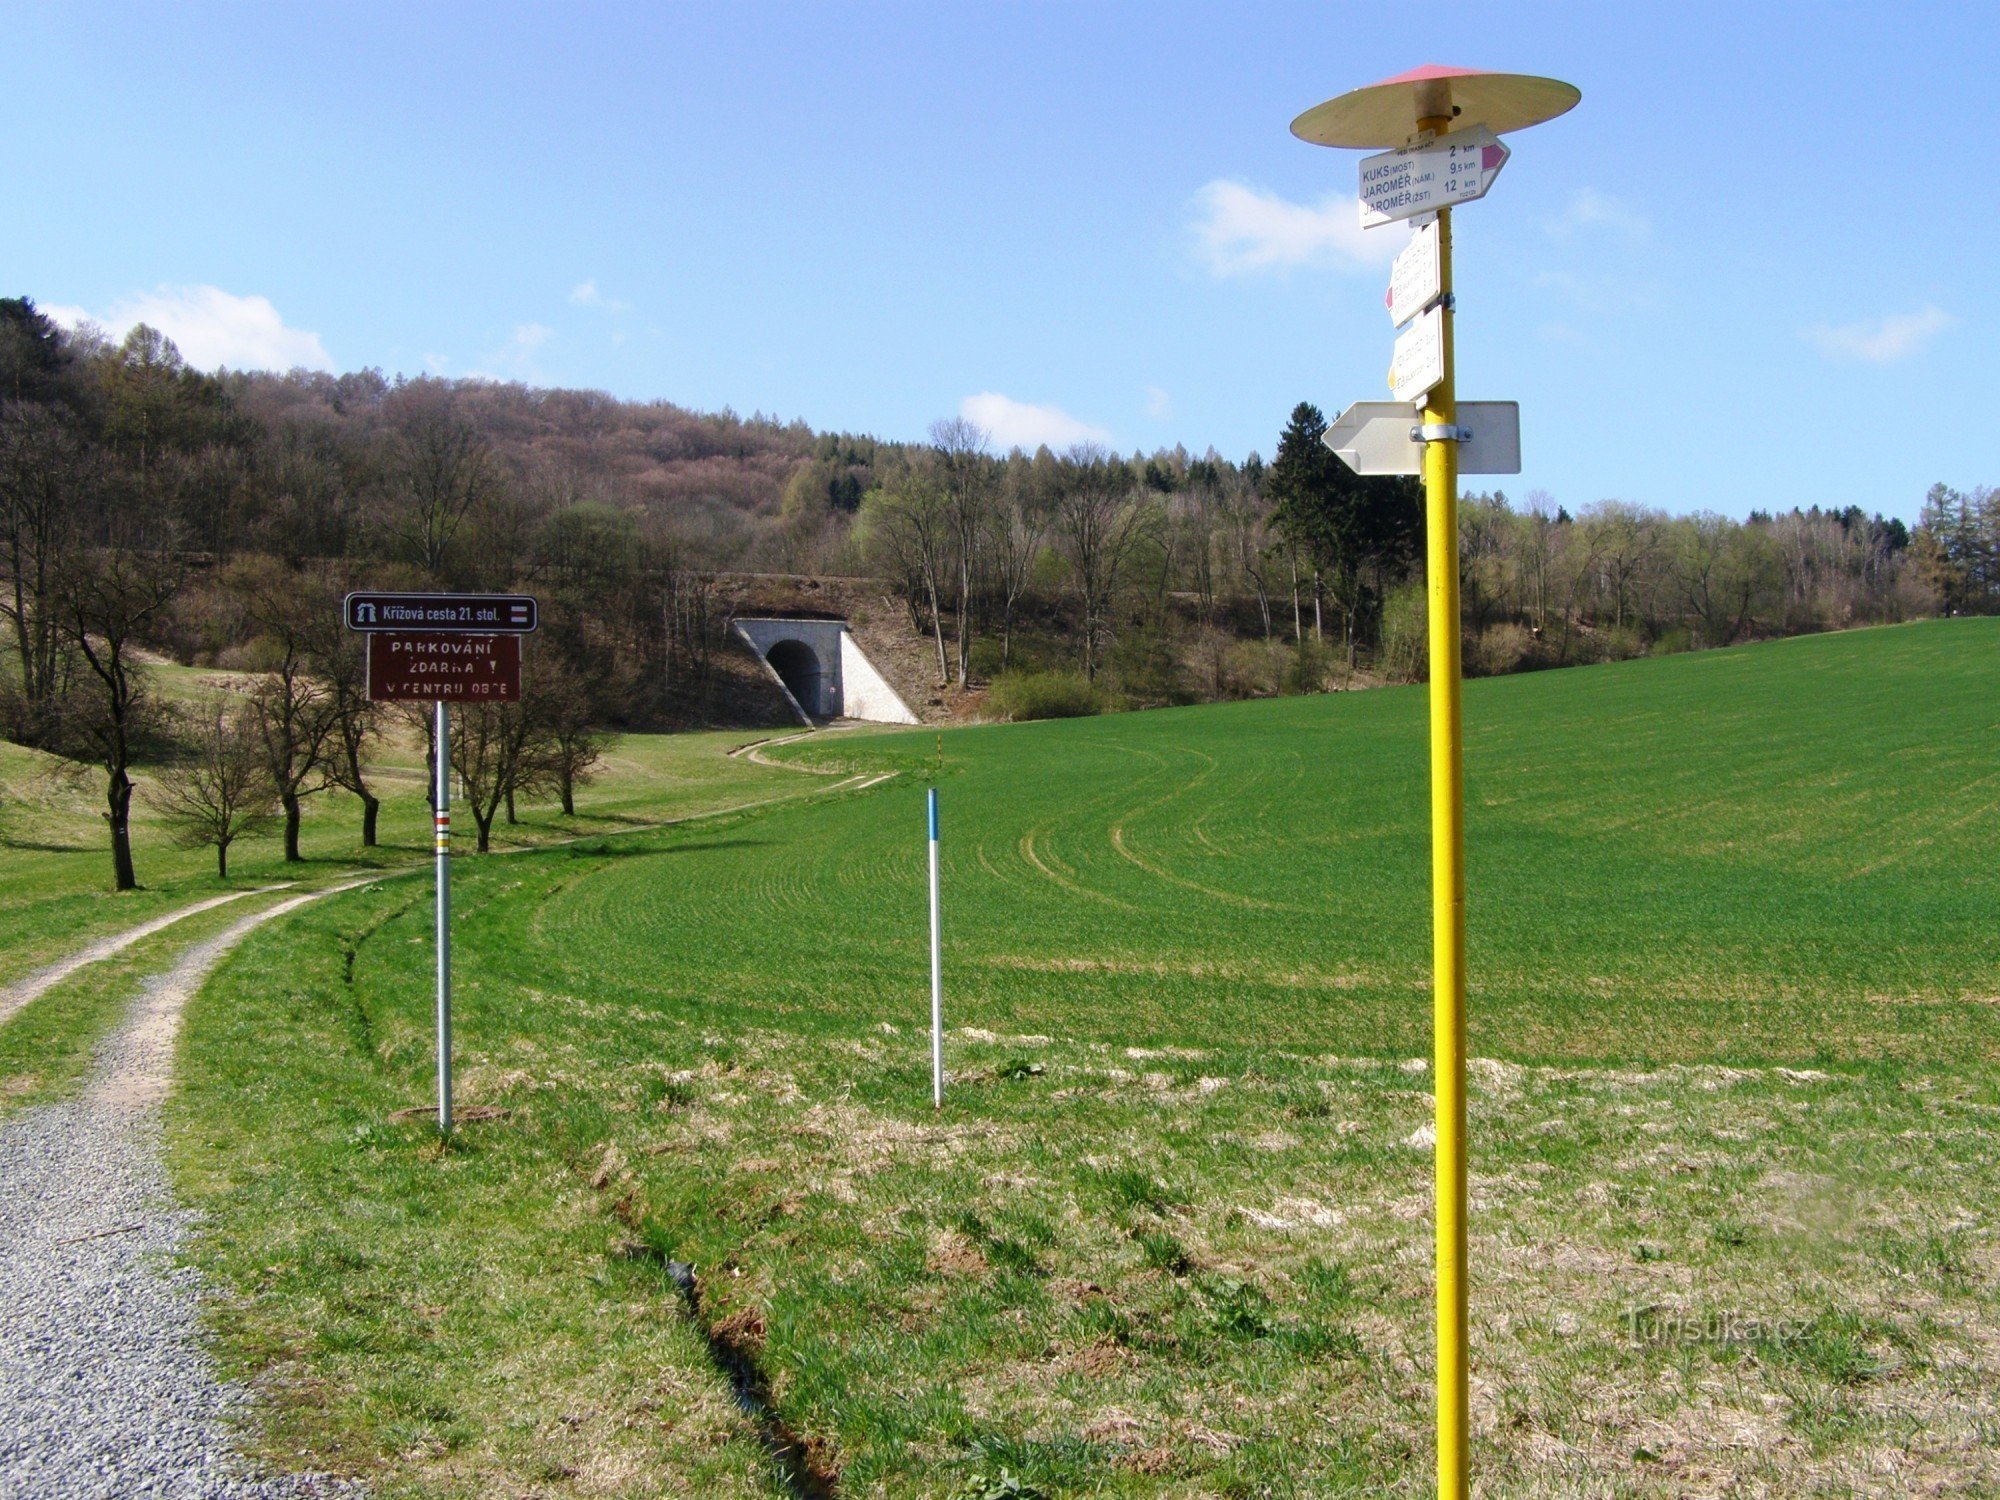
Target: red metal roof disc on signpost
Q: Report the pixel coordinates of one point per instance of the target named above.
(1386, 114)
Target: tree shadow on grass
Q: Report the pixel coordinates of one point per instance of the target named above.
(606, 851)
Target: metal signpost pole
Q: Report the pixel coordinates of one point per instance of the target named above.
(937, 970)
(1447, 897)
(441, 648)
(443, 817)
(1437, 130)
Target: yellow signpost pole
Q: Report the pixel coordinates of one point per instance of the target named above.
(1447, 904)
(1408, 114)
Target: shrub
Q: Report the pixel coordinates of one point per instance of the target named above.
(1308, 669)
(1257, 666)
(1613, 643)
(1043, 695)
(1405, 646)
(1674, 641)
(1499, 650)
(1142, 666)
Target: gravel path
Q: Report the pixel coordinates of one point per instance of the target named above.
(105, 1388)
(18, 994)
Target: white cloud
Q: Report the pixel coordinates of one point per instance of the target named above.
(515, 359)
(1239, 229)
(1589, 209)
(586, 294)
(1017, 424)
(1880, 341)
(211, 328)
(1159, 405)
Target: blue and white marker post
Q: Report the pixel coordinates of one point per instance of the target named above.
(937, 971)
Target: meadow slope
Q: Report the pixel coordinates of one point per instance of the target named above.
(1733, 996)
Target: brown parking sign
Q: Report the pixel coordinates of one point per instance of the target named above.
(412, 668)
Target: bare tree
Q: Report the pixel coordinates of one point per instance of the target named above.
(106, 600)
(218, 788)
(338, 658)
(1098, 523)
(42, 469)
(1534, 556)
(1020, 526)
(688, 607)
(965, 475)
(491, 752)
(567, 747)
(296, 713)
(442, 470)
(908, 530)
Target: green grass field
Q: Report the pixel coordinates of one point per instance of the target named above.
(1733, 1013)
(55, 866)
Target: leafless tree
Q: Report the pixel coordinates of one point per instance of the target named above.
(42, 471)
(1020, 527)
(1098, 523)
(909, 532)
(567, 746)
(296, 712)
(442, 471)
(965, 475)
(491, 750)
(218, 789)
(106, 600)
(338, 658)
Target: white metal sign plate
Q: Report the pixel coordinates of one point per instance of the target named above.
(1373, 437)
(1419, 361)
(1417, 278)
(1456, 168)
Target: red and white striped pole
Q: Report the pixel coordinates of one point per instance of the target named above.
(443, 818)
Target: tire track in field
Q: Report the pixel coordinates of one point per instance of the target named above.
(1159, 872)
(1067, 880)
(1296, 763)
(1036, 845)
(1229, 898)
(787, 890)
(1914, 845)
(25, 991)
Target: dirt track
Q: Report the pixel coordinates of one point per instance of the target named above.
(105, 1388)
(23, 991)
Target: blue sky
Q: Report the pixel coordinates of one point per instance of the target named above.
(1754, 268)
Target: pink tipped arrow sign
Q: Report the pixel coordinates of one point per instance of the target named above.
(1454, 168)
(1417, 278)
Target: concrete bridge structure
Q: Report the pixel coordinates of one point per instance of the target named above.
(823, 671)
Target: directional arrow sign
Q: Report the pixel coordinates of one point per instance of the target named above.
(1373, 437)
(1419, 362)
(1452, 169)
(1417, 278)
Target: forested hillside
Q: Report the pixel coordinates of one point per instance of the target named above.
(1129, 579)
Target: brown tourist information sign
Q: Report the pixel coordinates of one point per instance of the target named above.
(412, 667)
